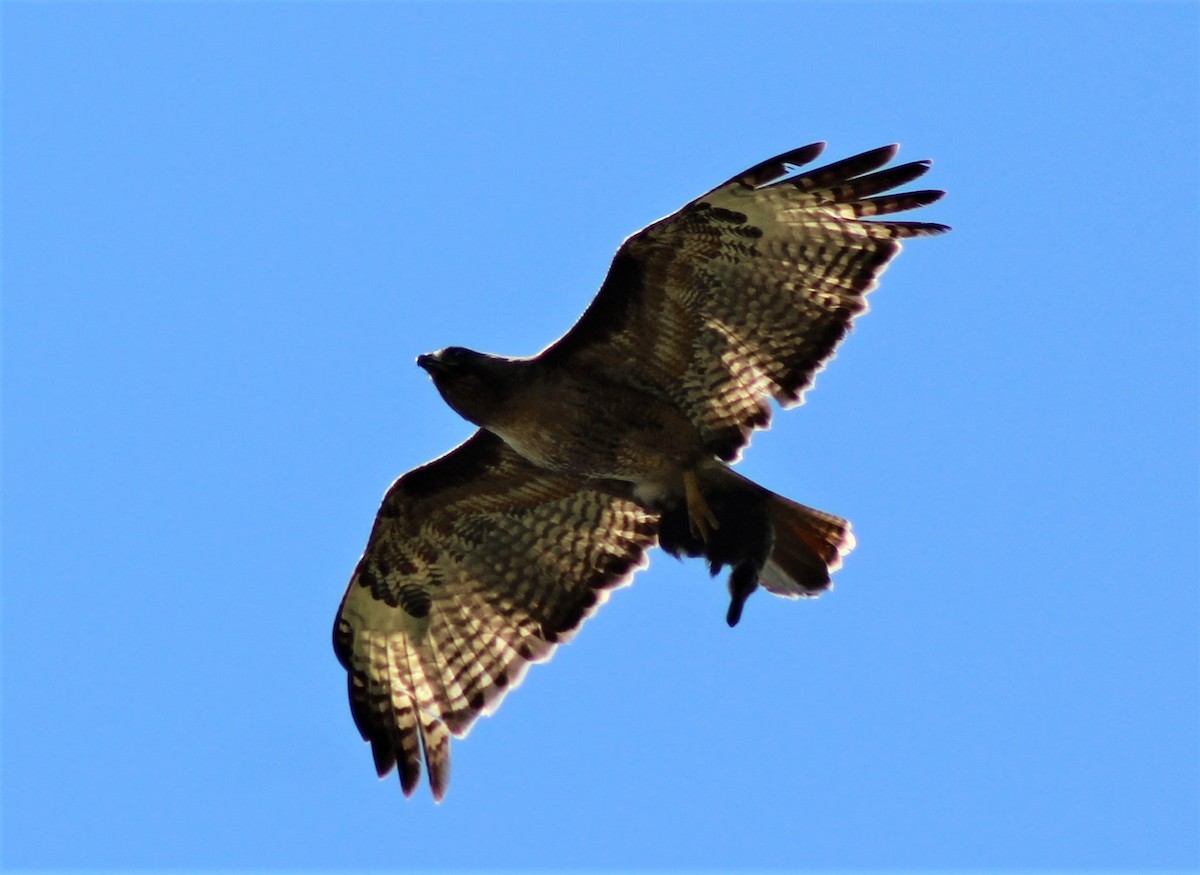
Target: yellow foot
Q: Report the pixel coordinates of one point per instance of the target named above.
(700, 517)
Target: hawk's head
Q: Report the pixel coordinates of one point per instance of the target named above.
(473, 383)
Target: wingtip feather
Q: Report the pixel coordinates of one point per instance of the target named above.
(774, 169)
(436, 740)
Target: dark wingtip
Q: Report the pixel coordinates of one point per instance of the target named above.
(439, 774)
(438, 787)
(385, 758)
(800, 157)
(409, 779)
(924, 198)
(883, 154)
(934, 228)
(774, 168)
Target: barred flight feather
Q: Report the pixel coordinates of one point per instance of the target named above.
(431, 650)
(481, 562)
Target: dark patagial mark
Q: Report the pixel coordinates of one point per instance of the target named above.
(606, 316)
(466, 464)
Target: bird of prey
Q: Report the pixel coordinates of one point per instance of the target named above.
(616, 437)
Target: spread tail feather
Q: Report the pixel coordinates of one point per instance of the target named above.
(809, 546)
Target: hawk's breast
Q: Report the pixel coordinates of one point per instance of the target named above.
(598, 429)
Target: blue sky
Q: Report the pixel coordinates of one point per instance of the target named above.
(228, 230)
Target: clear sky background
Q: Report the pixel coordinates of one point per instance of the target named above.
(228, 230)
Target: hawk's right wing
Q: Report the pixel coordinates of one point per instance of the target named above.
(742, 295)
(479, 564)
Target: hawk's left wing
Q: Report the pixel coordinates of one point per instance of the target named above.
(478, 564)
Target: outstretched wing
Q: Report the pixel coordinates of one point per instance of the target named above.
(742, 295)
(478, 565)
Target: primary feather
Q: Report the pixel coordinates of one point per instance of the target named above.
(616, 437)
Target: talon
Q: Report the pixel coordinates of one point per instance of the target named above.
(701, 519)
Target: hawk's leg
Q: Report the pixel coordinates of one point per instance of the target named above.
(701, 519)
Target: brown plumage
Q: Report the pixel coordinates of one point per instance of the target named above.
(616, 437)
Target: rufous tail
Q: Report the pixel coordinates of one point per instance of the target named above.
(809, 546)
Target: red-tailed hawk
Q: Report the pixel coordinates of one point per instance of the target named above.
(617, 436)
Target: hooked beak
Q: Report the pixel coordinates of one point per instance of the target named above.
(430, 364)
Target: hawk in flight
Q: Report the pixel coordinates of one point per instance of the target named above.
(617, 436)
